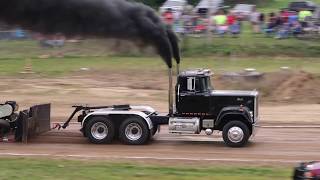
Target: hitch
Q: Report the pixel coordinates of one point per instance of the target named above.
(88, 108)
(66, 124)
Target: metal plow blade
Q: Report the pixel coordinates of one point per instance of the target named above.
(33, 122)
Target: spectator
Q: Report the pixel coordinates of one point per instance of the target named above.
(201, 25)
(293, 17)
(211, 23)
(284, 15)
(261, 21)
(303, 15)
(295, 26)
(176, 21)
(254, 19)
(279, 21)
(271, 24)
(283, 31)
(233, 24)
(186, 23)
(220, 20)
(168, 17)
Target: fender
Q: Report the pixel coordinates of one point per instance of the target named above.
(104, 113)
(234, 110)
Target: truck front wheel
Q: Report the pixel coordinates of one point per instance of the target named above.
(235, 134)
(100, 130)
(134, 131)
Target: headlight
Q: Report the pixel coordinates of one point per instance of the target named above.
(251, 114)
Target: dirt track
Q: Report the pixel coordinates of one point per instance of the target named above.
(271, 146)
(62, 93)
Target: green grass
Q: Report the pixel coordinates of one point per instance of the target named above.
(220, 54)
(247, 44)
(38, 169)
(55, 66)
(250, 44)
(58, 67)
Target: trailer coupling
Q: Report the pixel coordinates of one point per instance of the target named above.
(87, 109)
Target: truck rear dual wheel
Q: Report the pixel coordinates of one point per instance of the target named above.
(236, 134)
(100, 130)
(134, 131)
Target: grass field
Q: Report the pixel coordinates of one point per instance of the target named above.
(96, 54)
(250, 44)
(56, 66)
(38, 169)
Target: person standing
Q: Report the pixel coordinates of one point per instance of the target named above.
(254, 19)
(168, 18)
(303, 15)
(220, 20)
(261, 22)
(234, 24)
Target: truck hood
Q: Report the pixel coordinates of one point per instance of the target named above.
(234, 93)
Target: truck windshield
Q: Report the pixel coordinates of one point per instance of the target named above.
(205, 84)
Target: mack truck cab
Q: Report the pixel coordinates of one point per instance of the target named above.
(198, 107)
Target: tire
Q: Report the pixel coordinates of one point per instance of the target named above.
(100, 130)
(234, 140)
(134, 131)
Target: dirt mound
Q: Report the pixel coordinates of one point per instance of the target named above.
(298, 87)
(287, 87)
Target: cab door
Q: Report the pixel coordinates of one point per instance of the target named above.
(193, 99)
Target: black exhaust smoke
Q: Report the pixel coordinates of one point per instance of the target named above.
(93, 18)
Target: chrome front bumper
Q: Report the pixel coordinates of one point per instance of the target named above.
(255, 128)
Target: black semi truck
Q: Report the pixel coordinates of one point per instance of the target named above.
(198, 107)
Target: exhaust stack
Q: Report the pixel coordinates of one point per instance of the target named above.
(178, 69)
(170, 92)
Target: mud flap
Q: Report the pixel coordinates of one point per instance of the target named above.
(33, 122)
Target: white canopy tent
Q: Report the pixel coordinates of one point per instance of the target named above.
(213, 5)
(175, 5)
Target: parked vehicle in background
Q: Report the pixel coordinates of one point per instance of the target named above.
(302, 5)
(316, 14)
(243, 11)
(310, 170)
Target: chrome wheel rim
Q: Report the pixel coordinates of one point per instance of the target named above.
(99, 130)
(235, 134)
(133, 131)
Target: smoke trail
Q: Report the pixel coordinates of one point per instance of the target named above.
(93, 18)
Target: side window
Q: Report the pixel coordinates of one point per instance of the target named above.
(197, 85)
(191, 84)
